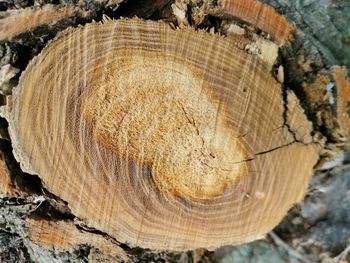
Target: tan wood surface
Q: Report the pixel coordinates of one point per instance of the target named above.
(260, 16)
(20, 21)
(343, 98)
(162, 138)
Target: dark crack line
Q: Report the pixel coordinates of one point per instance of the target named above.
(276, 148)
(82, 226)
(244, 161)
(267, 151)
(192, 122)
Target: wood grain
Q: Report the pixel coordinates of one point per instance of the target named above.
(19, 21)
(343, 98)
(104, 107)
(65, 236)
(260, 16)
(7, 187)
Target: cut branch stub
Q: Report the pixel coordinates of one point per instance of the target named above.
(166, 139)
(13, 23)
(259, 15)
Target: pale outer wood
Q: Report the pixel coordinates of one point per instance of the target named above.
(259, 15)
(18, 21)
(126, 204)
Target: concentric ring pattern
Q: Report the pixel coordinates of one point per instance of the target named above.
(162, 138)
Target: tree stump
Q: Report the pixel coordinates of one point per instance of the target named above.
(158, 143)
(143, 134)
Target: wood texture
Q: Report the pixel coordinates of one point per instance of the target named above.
(104, 109)
(65, 236)
(19, 21)
(343, 98)
(7, 187)
(260, 16)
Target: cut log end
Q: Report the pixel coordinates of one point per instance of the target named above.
(162, 138)
(259, 15)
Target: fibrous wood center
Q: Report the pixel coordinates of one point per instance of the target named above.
(157, 112)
